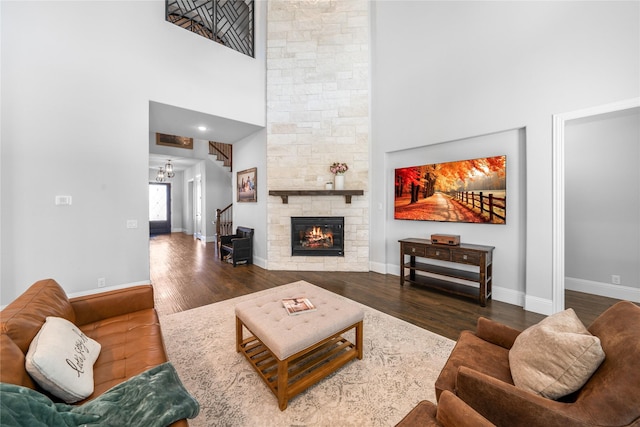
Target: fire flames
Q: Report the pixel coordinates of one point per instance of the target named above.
(315, 237)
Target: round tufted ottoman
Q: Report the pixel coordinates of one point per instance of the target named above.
(291, 353)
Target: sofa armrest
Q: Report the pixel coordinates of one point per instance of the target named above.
(103, 305)
(506, 405)
(453, 412)
(496, 333)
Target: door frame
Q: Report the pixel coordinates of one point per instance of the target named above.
(162, 227)
(558, 144)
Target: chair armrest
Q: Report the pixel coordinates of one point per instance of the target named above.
(496, 333)
(422, 415)
(103, 305)
(453, 412)
(241, 242)
(227, 239)
(505, 404)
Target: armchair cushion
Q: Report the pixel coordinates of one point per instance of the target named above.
(556, 356)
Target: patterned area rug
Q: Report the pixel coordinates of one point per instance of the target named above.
(400, 365)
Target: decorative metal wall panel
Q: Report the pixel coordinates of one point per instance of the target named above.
(228, 22)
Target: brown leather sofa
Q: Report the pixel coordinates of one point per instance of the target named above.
(124, 322)
(478, 372)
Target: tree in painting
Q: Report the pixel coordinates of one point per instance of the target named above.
(463, 191)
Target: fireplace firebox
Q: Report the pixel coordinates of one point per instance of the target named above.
(317, 236)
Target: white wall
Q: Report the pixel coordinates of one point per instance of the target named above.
(76, 85)
(602, 203)
(444, 71)
(251, 152)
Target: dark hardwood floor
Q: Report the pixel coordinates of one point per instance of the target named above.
(187, 273)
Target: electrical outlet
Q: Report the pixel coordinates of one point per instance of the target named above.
(615, 279)
(102, 282)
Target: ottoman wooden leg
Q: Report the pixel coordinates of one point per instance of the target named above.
(238, 334)
(359, 333)
(283, 381)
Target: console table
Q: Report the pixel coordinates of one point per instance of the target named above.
(448, 279)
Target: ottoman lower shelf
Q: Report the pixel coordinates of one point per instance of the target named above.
(286, 378)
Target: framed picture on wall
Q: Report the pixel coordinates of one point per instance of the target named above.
(174, 141)
(247, 182)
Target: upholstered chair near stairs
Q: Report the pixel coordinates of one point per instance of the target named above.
(238, 247)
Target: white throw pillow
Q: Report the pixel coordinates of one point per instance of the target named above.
(555, 357)
(60, 359)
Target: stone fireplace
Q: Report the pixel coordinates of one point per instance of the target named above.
(317, 236)
(317, 114)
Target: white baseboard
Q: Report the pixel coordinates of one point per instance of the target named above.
(106, 289)
(394, 270)
(538, 305)
(378, 267)
(510, 296)
(260, 262)
(603, 289)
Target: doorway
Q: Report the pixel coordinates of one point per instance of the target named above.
(159, 208)
(559, 127)
(197, 221)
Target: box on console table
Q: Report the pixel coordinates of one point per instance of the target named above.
(475, 284)
(446, 239)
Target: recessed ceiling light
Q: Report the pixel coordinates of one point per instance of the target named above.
(202, 128)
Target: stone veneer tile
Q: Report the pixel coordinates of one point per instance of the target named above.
(317, 113)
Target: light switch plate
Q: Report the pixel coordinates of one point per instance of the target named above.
(63, 200)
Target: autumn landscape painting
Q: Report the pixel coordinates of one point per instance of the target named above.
(461, 191)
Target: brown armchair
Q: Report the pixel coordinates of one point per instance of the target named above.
(478, 372)
(450, 412)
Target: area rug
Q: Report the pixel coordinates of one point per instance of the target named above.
(400, 365)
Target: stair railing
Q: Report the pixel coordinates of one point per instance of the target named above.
(223, 152)
(224, 222)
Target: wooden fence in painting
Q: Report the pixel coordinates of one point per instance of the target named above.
(495, 207)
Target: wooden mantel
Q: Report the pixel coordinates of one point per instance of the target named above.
(286, 193)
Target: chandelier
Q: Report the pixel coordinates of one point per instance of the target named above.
(165, 172)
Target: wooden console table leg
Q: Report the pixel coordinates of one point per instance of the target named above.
(483, 281)
(412, 263)
(401, 265)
